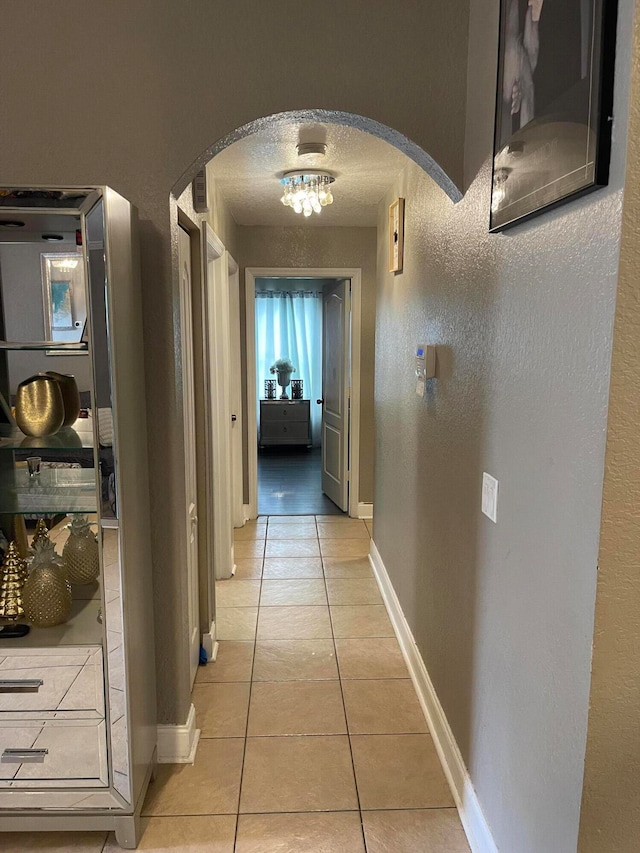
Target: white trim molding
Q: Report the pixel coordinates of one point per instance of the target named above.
(473, 820)
(355, 275)
(365, 510)
(209, 642)
(178, 744)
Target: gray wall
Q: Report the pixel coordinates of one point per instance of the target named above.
(610, 817)
(502, 614)
(327, 247)
(155, 86)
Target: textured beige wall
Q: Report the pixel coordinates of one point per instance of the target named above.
(328, 247)
(220, 219)
(610, 817)
(502, 613)
(157, 84)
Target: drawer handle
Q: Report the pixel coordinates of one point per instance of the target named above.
(22, 756)
(20, 685)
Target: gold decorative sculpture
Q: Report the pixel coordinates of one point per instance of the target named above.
(70, 396)
(41, 534)
(39, 405)
(47, 596)
(13, 574)
(81, 553)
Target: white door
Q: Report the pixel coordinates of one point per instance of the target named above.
(335, 393)
(191, 567)
(219, 356)
(236, 394)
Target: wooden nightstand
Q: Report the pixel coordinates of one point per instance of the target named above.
(285, 422)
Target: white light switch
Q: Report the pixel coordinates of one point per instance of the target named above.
(490, 496)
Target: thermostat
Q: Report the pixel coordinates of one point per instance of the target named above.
(425, 362)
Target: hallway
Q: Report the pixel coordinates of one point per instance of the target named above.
(312, 735)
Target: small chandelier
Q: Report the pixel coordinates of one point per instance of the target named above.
(66, 264)
(307, 191)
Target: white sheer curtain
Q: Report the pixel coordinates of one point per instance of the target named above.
(289, 325)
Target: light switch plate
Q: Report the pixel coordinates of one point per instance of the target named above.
(490, 497)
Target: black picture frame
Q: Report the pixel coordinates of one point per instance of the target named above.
(554, 105)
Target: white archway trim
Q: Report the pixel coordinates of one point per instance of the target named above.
(250, 276)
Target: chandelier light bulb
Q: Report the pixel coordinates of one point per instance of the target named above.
(307, 192)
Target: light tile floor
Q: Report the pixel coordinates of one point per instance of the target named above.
(312, 737)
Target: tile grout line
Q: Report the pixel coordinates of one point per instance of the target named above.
(246, 728)
(344, 708)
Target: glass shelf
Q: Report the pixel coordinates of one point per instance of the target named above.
(75, 437)
(82, 628)
(54, 491)
(48, 346)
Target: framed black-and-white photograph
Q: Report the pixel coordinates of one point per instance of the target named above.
(554, 103)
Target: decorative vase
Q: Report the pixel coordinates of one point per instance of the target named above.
(81, 554)
(46, 596)
(13, 575)
(70, 396)
(39, 405)
(284, 378)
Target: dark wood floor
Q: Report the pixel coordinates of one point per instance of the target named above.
(289, 482)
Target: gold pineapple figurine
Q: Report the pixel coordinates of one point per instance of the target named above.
(42, 533)
(12, 579)
(47, 592)
(81, 553)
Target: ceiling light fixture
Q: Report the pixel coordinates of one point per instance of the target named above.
(66, 264)
(307, 191)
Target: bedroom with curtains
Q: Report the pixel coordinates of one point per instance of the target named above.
(289, 317)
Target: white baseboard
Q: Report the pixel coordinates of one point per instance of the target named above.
(365, 510)
(246, 511)
(473, 820)
(178, 744)
(209, 643)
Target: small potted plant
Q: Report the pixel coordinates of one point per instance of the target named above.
(283, 368)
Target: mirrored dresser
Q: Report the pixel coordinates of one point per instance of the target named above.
(77, 665)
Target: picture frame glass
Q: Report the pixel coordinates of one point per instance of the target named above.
(64, 297)
(553, 104)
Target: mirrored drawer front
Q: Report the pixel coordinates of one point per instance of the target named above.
(53, 753)
(285, 411)
(37, 680)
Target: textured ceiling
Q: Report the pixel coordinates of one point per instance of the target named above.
(247, 174)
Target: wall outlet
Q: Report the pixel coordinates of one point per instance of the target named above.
(490, 497)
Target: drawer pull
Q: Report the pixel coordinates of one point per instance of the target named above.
(24, 756)
(20, 685)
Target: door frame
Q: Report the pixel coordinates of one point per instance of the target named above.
(250, 276)
(189, 412)
(217, 351)
(237, 478)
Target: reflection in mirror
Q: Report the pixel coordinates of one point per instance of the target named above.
(101, 362)
(64, 301)
(115, 649)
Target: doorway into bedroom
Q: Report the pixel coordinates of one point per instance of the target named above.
(302, 334)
